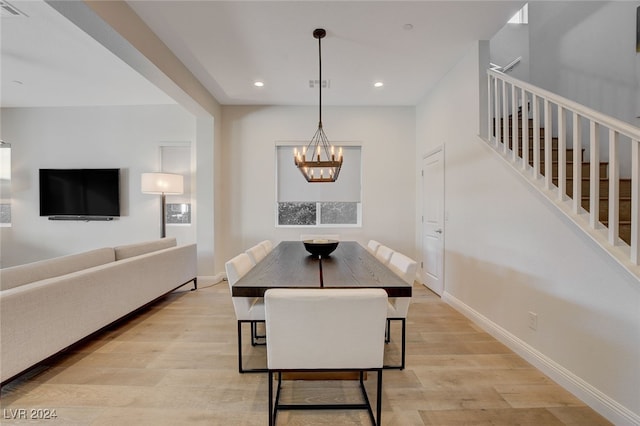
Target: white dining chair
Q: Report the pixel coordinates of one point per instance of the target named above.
(383, 254)
(257, 253)
(398, 307)
(318, 330)
(247, 309)
(305, 237)
(372, 246)
(268, 245)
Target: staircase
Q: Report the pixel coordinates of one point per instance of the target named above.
(624, 196)
(536, 131)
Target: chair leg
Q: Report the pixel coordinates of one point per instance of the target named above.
(403, 343)
(271, 420)
(240, 368)
(366, 405)
(276, 404)
(240, 347)
(387, 332)
(253, 333)
(404, 338)
(255, 336)
(379, 399)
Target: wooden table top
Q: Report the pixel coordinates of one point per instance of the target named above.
(289, 265)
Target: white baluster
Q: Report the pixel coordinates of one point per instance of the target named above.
(635, 201)
(536, 136)
(562, 152)
(505, 118)
(514, 123)
(496, 106)
(614, 188)
(489, 117)
(548, 152)
(577, 163)
(594, 175)
(525, 130)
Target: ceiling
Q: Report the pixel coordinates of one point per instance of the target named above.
(47, 61)
(228, 45)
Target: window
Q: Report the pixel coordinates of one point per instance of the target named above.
(300, 203)
(177, 159)
(522, 17)
(5, 184)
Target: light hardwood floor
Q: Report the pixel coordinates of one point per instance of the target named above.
(175, 363)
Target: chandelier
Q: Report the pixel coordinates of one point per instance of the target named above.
(323, 164)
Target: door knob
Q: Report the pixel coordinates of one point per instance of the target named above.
(438, 231)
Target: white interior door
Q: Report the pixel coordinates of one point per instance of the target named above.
(433, 221)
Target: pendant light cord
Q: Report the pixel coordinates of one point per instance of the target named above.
(320, 81)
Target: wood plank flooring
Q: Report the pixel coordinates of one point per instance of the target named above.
(175, 363)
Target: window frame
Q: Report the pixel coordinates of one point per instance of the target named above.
(318, 224)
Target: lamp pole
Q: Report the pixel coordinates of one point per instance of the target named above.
(163, 232)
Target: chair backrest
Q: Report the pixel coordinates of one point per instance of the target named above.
(237, 267)
(372, 246)
(403, 266)
(268, 245)
(325, 328)
(257, 253)
(383, 254)
(304, 237)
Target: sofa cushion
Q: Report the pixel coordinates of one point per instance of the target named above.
(23, 274)
(131, 250)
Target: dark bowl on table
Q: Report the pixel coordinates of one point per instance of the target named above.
(320, 247)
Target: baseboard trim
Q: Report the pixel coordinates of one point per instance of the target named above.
(594, 398)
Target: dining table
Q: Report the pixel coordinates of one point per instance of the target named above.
(289, 265)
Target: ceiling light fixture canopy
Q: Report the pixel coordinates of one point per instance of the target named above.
(324, 163)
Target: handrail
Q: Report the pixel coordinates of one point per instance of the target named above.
(506, 68)
(509, 97)
(586, 112)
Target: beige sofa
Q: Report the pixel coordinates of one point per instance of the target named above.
(49, 305)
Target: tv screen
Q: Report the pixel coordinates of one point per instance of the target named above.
(80, 192)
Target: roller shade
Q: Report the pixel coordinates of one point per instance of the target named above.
(292, 187)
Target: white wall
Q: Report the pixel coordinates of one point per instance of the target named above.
(585, 51)
(249, 135)
(88, 137)
(512, 42)
(508, 252)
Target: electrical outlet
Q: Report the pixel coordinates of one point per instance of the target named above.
(533, 320)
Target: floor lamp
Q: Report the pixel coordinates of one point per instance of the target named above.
(163, 184)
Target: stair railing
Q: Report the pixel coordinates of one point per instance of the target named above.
(513, 104)
(507, 67)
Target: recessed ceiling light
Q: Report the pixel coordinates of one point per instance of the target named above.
(407, 27)
(378, 84)
(258, 83)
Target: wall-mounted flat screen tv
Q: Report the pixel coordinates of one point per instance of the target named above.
(80, 192)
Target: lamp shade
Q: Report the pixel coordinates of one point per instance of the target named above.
(162, 183)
